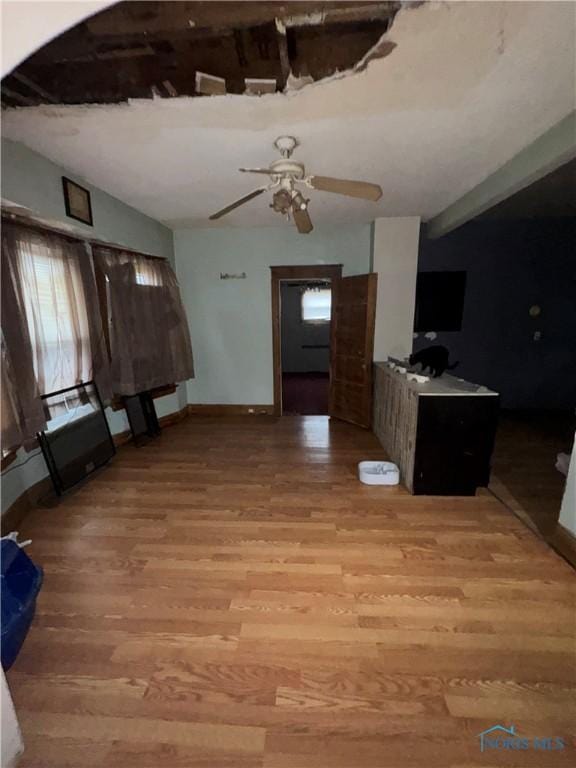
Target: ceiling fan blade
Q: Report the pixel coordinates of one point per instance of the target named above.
(346, 187)
(302, 220)
(267, 171)
(237, 203)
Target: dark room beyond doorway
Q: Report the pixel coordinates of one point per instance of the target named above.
(305, 307)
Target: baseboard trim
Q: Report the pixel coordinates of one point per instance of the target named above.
(501, 492)
(564, 542)
(174, 418)
(210, 409)
(121, 438)
(28, 500)
(561, 540)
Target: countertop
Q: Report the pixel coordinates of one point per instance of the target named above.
(443, 385)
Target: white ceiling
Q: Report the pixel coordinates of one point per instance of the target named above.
(467, 87)
(27, 26)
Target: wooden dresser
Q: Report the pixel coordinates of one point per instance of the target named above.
(440, 433)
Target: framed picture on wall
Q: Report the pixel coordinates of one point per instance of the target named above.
(77, 202)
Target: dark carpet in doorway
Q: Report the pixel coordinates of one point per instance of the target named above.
(305, 393)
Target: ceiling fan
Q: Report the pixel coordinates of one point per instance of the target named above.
(288, 200)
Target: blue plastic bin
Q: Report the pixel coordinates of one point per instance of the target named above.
(20, 583)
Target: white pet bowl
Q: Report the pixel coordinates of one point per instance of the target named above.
(378, 473)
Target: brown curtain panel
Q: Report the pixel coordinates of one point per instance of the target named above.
(21, 408)
(52, 330)
(148, 330)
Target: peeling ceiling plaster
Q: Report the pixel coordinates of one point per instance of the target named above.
(140, 48)
(468, 85)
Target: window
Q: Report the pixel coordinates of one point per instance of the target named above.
(147, 274)
(316, 305)
(56, 312)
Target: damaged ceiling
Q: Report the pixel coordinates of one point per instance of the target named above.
(169, 49)
(467, 86)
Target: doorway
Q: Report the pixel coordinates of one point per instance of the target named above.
(351, 345)
(301, 330)
(305, 320)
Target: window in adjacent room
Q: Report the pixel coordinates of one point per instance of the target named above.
(316, 305)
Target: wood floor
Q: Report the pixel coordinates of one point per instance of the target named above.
(231, 597)
(527, 444)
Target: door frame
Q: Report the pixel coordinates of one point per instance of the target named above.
(297, 272)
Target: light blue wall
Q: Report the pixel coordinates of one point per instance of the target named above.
(32, 181)
(231, 320)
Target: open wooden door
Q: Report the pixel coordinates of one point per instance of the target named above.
(351, 348)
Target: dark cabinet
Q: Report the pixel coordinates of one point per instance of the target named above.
(440, 433)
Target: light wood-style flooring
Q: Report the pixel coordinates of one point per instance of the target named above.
(525, 452)
(231, 596)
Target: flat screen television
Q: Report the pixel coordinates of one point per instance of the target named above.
(439, 301)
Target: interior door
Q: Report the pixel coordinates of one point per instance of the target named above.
(351, 348)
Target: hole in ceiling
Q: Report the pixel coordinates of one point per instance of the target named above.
(170, 49)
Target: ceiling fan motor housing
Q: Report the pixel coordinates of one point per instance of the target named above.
(287, 167)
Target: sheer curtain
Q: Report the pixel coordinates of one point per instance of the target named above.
(148, 331)
(21, 408)
(52, 332)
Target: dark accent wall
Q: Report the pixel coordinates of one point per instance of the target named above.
(512, 265)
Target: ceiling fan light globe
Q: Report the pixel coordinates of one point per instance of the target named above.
(281, 201)
(299, 201)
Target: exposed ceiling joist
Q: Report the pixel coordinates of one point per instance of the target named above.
(17, 97)
(131, 48)
(340, 15)
(34, 87)
(142, 18)
(283, 49)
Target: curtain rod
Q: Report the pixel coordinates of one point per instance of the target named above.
(25, 221)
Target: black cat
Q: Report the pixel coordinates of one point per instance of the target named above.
(434, 358)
